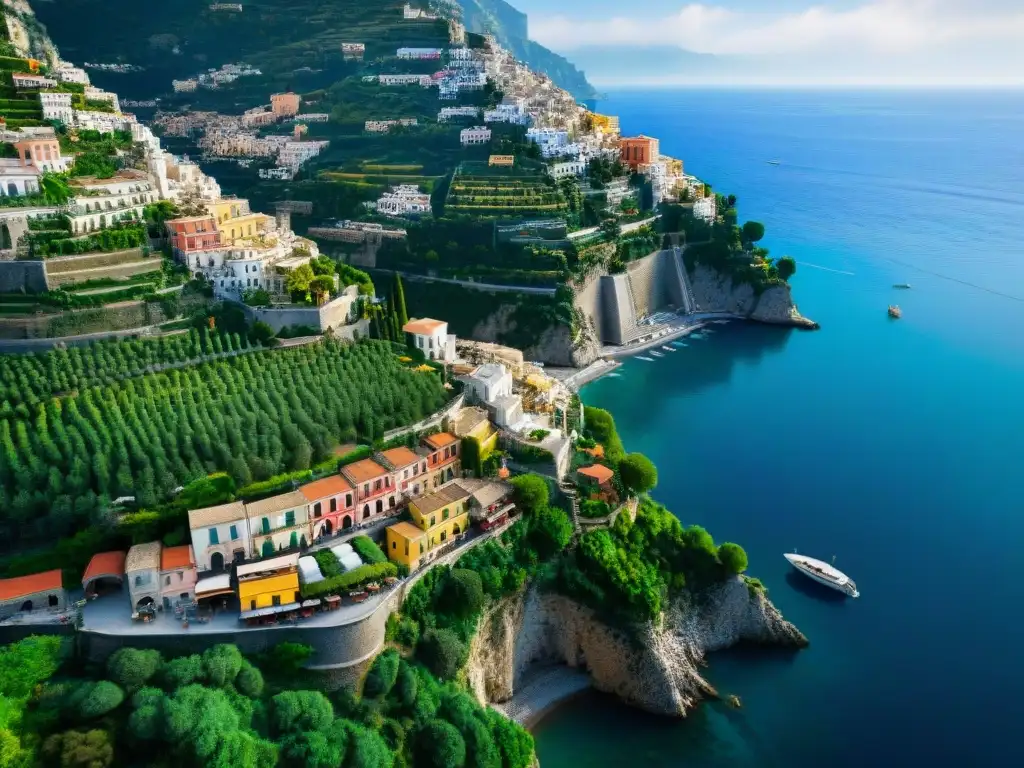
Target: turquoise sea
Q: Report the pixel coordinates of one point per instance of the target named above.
(896, 446)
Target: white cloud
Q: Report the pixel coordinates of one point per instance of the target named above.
(875, 28)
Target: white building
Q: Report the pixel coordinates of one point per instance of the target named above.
(431, 337)
(460, 54)
(553, 142)
(57, 106)
(491, 385)
(98, 94)
(104, 122)
(313, 117)
(26, 81)
(295, 153)
(98, 203)
(404, 200)
(353, 50)
(422, 80)
(509, 111)
(383, 126)
(68, 73)
(476, 135)
(220, 535)
(280, 174)
(419, 53)
(142, 572)
(704, 208)
(565, 168)
(17, 178)
(447, 113)
(184, 86)
(410, 13)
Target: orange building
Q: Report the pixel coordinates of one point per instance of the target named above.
(639, 150)
(193, 233)
(285, 104)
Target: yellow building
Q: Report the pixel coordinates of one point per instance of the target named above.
(244, 227)
(502, 161)
(437, 519)
(228, 208)
(606, 123)
(270, 586)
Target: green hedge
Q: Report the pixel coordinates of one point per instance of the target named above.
(367, 549)
(349, 580)
(275, 484)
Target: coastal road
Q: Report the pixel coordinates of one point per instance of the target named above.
(535, 290)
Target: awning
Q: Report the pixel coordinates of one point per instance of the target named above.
(214, 585)
(311, 603)
(332, 599)
(268, 611)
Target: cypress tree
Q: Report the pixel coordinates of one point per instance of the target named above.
(403, 315)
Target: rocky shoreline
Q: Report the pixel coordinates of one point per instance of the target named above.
(656, 668)
(775, 306)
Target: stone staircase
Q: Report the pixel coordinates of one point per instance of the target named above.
(689, 304)
(570, 492)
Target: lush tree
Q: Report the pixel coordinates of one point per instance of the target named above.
(197, 719)
(406, 686)
(531, 492)
(400, 308)
(471, 456)
(249, 680)
(221, 664)
(443, 652)
(461, 593)
(315, 749)
(786, 267)
(440, 745)
(515, 743)
(382, 674)
(182, 671)
(753, 231)
(79, 749)
(638, 473)
(550, 532)
(132, 668)
(601, 427)
(733, 557)
(298, 279)
(322, 265)
(295, 711)
(97, 699)
(146, 721)
(28, 662)
(366, 749)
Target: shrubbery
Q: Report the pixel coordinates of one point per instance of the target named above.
(349, 580)
(368, 550)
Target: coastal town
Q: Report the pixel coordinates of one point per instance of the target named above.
(244, 420)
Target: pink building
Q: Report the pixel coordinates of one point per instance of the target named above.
(177, 575)
(409, 467)
(285, 104)
(376, 493)
(331, 506)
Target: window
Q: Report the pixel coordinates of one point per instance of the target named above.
(275, 600)
(266, 525)
(252, 605)
(167, 581)
(394, 545)
(214, 538)
(334, 504)
(444, 515)
(289, 517)
(348, 499)
(234, 532)
(432, 521)
(316, 509)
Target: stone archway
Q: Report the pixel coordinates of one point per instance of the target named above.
(216, 562)
(346, 523)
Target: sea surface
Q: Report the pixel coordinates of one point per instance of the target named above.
(896, 446)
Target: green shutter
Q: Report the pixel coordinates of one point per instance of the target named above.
(289, 517)
(213, 536)
(268, 547)
(266, 525)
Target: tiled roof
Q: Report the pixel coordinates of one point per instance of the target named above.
(23, 586)
(222, 513)
(598, 472)
(173, 558)
(441, 498)
(399, 457)
(440, 440)
(280, 563)
(406, 530)
(363, 470)
(279, 503)
(425, 326)
(142, 557)
(104, 564)
(328, 486)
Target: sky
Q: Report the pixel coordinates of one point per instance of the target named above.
(894, 42)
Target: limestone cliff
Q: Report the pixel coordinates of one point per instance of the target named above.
(554, 345)
(656, 669)
(715, 292)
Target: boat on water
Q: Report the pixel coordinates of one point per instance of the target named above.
(895, 312)
(656, 353)
(645, 359)
(902, 286)
(774, 162)
(667, 348)
(678, 344)
(823, 573)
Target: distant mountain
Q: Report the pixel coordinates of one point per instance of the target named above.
(651, 63)
(510, 27)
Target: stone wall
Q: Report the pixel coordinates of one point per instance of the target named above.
(22, 276)
(334, 314)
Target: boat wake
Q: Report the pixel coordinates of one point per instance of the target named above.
(826, 269)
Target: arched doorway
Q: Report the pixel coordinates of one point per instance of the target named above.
(147, 600)
(366, 511)
(346, 522)
(455, 530)
(326, 529)
(380, 506)
(444, 537)
(27, 605)
(54, 602)
(217, 562)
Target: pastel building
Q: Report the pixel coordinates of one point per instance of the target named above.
(278, 523)
(430, 337)
(442, 458)
(269, 586)
(639, 150)
(376, 494)
(437, 519)
(476, 135)
(98, 203)
(285, 104)
(408, 467)
(142, 571)
(32, 592)
(331, 506)
(57, 106)
(220, 536)
(177, 575)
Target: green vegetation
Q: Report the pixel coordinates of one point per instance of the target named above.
(119, 237)
(368, 550)
(600, 426)
(638, 473)
(221, 709)
(254, 415)
(353, 579)
(524, 190)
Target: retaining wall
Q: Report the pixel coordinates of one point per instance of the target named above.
(18, 276)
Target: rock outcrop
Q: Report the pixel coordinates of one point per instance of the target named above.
(715, 292)
(554, 346)
(656, 668)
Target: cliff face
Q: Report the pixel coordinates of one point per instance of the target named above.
(554, 345)
(658, 670)
(715, 292)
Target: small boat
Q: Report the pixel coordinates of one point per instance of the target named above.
(895, 312)
(774, 162)
(678, 344)
(823, 573)
(903, 286)
(656, 353)
(645, 359)
(667, 348)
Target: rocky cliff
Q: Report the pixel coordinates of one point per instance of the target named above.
(657, 669)
(715, 292)
(552, 345)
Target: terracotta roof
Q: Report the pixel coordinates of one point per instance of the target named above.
(222, 513)
(441, 498)
(328, 486)
(143, 556)
(363, 470)
(406, 530)
(598, 472)
(23, 586)
(425, 326)
(173, 558)
(400, 457)
(597, 451)
(279, 503)
(440, 440)
(104, 564)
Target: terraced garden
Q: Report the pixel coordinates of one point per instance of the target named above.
(524, 190)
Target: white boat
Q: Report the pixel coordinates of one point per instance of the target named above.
(656, 353)
(645, 359)
(667, 348)
(774, 162)
(823, 573)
